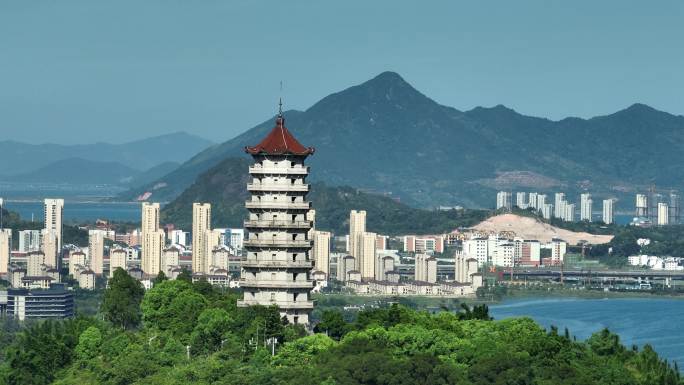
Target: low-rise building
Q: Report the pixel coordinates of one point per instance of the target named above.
(55, 302)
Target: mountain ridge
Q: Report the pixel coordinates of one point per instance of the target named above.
(387, 136)
(140, 154)
(81, 171)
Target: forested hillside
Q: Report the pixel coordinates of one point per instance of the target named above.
(225, 187)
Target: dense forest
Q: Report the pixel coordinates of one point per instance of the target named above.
(191, 333)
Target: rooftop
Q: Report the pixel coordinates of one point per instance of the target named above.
(279, 142)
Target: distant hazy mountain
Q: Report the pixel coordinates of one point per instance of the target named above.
(20, 158)
(78, 171)
(225, 187)
(152, 174)
(83, 171)
(384, 135)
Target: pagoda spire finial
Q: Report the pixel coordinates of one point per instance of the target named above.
(280, 107)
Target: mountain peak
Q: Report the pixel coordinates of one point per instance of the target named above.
(641, 111)
(640, 107)
(387, 89)
(388, 77)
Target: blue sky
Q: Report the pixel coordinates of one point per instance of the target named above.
(83, 71)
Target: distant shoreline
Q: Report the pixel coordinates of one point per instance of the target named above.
(585, 294)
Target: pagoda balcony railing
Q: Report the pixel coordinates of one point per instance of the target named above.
(278, 223)
(272, 263)
(277, 243)
(277, 187)
(280, 304)
(278, 205)
(268, 284)
(301, 170)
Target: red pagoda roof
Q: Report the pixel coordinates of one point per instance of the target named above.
(279, 142)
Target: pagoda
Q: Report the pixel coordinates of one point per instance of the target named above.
(277, 266)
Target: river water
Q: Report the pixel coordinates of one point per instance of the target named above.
(637, 321)
(80, 211)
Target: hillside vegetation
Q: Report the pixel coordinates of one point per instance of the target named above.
(225, 187)
(146, 344)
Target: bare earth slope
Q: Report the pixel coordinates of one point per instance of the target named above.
(531, 228)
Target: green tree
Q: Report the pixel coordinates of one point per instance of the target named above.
(41, 350)
(213, 327)
(333, 324)
(173, 306)
(161, 277)
(121, 301)
(89, 344)
(185, 275)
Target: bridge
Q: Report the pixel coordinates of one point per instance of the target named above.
(667, 277)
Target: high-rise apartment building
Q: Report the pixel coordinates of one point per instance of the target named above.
(278, 263)
(569, 215)
(5, 249)
(532, 202)
(50, 247)
(559, 205)
(675, 209)
(663, 214)
(201, 229)
(641, 206)
(212, 242)
(547, 210)
(29, 240)
(357, 226)
(521, 200)
(54, 212)
(35, 264)
(96, 250)
(608, 213)
(153, 240)
(541, 201)
(585, 207)
(504, 200)
(321, 251)
(366, 255)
